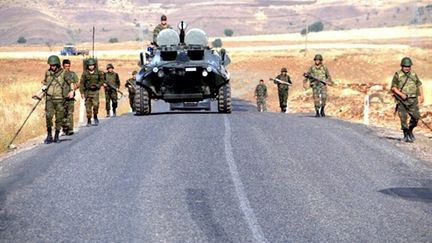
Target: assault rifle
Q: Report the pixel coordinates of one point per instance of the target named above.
(397, 97)
(281, 81)
(310, 76)
(116, 89)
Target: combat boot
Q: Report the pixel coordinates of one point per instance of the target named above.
(108, 113)
(56, 136)
(88, 122)
(317, 112)
(114, 113)
(96, 120)
(49, 138)
(407, 137)
(411, 134)
(322, 113)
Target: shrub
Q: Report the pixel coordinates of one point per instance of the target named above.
(21, 40)
(217, 43)
(228, 32)
(113, 40)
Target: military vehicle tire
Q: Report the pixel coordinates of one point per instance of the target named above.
(224, 99)
(142, 102)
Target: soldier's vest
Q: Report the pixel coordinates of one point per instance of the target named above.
(320, 72)
(410, 88)
(92, 80)
(283, 78)
(111, 79)
(58, 87)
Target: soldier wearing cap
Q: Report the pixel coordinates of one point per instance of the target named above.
(56, 88)
(111, 85)
(321, 77)
(408, 91)
(283, 88)
(163, 25)
(130, 85)
(90, 84)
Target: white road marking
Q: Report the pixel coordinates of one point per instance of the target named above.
(244, 202)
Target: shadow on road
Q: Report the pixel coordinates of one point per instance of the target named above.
(420, 194)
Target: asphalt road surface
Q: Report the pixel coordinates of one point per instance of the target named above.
(209, 177)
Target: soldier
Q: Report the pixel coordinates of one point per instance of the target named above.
(318, 76)
(163, 25)
(283, 88)
(130, 85)
(68, 122)
(90, 84)
(261, 95)
(408, 91)
(56, 89)
(111, 85)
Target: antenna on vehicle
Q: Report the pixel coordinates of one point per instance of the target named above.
(93, 37)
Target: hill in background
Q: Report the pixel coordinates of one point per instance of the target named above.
(63, 21)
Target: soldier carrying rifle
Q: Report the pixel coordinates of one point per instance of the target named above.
(318, 77)
(408, 92)
(283, 82)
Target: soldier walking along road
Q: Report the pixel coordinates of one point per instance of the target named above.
(408, 91)
(163, 25)
(56, 90)
(130, 85)
(90, 84)
(261, 96)
(68, 122)
(283, 82)
(318, 76)
(111, 85)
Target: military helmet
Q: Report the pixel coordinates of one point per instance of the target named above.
(134, 72)
(406, 62)
(108, 66)
(54, 60)
(318, 57)
(284, 69)
(163, 17)
(91, 61)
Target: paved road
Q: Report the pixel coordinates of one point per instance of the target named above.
(208, 177)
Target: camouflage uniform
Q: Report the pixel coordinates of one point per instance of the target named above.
(130, 85)
(90, 85)
(409, 84)
(283, 90)
(111, 78)
(159, 28)
(261, 95)
(56, 90)
(68, 121)
(318, 88)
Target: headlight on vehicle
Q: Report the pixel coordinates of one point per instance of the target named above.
(155, 69)
(209, 69)
(160, 73)
(204, 73)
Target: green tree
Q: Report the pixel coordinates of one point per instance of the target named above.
(113, 40)
(228, 32)
(21, 40)
(217, 43)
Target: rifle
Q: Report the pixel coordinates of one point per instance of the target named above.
(116, 89)
(310, 76)
(281, 81)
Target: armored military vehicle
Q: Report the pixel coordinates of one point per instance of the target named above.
(183, 69)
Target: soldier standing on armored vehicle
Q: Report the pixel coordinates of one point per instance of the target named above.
(90, 84)
(163, 25)
(408, 91)
(68, 124)
(56, 89)
(111, 85)
(283, 82)
(318, 77)
(261, 96)
(130, 85)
